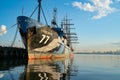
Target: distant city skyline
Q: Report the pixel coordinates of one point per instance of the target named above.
(96, 21)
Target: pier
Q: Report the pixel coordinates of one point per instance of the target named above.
(13, 53)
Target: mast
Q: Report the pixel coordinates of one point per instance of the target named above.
(39, 9)
(54, 21)
(71, 36)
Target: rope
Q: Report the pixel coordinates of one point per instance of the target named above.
(9, 28)
(14, 37)
(33, 12)
(42, 12)
(44, 15)
(15, 33)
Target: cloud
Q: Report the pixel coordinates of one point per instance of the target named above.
(3, 29)
(102, 7)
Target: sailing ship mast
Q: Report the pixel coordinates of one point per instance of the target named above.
(66, 26)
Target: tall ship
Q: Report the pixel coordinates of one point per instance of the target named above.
(45, 41)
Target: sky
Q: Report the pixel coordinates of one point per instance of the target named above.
(96, 22)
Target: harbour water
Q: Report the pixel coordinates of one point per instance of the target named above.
(81, 67)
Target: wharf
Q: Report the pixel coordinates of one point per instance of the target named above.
(13, 53)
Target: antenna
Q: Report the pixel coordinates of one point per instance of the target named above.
(39, 9)
(22, 10)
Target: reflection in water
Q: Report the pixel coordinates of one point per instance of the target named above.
(82, 67)
(12, 69)
(35, 69)
(49, 69)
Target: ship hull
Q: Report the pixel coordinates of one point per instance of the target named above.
(42, 41)
(51, 56)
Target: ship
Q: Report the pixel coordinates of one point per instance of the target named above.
(43, 40)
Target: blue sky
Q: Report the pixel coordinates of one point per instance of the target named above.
(96, 21)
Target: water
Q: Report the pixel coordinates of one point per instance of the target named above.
(97, 67)
(81, 67)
